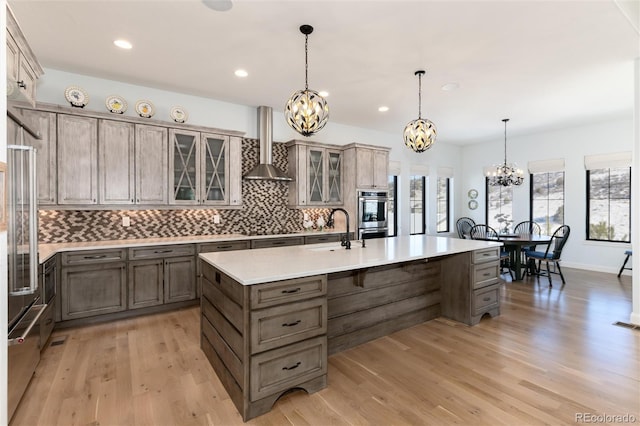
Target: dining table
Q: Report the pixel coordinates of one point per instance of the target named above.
(514, 243)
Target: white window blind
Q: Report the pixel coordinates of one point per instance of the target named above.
(445, 172)
(419, 170)
(607, 161)
(394, 168)
(546, 166)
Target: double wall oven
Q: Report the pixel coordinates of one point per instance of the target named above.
(372, 214)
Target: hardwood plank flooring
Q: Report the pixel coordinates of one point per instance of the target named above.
(552, 354)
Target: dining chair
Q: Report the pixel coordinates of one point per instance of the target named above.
(464, 225)
(526, 228)
(552, 253)
(628, 253)
(487, 233)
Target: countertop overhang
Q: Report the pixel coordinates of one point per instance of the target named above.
(274, 264)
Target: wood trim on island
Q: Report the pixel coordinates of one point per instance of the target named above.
(309, 318)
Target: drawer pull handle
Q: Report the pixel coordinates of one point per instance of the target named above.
(161, 251)
(49, 321)
(486, 299)
(22, 84)
(295, 290)
(486, 274)
(278, 243)
(97, 256)
(293, 367)
(291, 324)
(224, 247)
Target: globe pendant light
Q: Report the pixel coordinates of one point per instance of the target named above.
(420, 134)
(505, 174)
(306, 111)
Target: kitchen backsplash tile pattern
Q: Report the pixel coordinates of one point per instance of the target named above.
(264, 211)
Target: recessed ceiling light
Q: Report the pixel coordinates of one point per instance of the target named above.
(450, 86)
(383, 108)
(218, 5)
(241, 73)
(123, 44)
(323, 93)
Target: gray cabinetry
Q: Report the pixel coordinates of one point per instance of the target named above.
(204, 168)
(77, 159)
(151, 152)
(265, 339)
(45, 122)
(161, 274)
(23, 68)
(371, 165)
(93, 283)
(318, 174)
(277, 242)
(116, 162)
(471, 285)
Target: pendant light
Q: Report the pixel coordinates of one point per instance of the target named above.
(420, 134)
(505, 174)
(306, 111)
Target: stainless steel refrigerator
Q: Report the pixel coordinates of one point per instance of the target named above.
(24, 307)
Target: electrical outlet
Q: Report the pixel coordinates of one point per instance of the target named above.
(306, 217)
(216, 218)
(126, 221)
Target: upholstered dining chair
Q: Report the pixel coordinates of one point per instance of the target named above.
(485, 232)
(464, 225)
(552, 252)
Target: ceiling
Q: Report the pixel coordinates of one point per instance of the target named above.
(544, 64)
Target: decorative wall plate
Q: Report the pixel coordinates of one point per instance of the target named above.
(473, 194)
(473, 204)
(145, 109)
(179, 114)
(116, 104)
(76, 96)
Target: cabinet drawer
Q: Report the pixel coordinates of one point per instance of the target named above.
(161, 251)
(277, 242)
(486, 255)
(281, 325)
(485, 274)
(284, 368)
(93, 256)
(265, 295)
(486, 298)
(47, 323)
(224, 246)
(315, 239)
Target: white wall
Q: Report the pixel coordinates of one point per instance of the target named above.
(3, 234)
(572, 144)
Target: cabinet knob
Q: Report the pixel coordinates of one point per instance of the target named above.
(22, 84)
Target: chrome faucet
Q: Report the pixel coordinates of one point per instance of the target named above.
(346, 243)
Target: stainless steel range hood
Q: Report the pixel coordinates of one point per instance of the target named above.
(265, 170)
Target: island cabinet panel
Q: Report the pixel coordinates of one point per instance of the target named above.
(369, 303)
(264, 339)
(471, 285)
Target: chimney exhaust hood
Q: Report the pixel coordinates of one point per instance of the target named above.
(265, 170)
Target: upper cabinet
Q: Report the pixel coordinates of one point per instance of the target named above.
(203, 168)
(371, 165)
(151, 152)
(23, 68)
(46, 148)
(317, 171)
(116, 165)
(77, 155)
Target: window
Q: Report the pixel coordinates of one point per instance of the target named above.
(442, 199)
(392, 219)
(609, 204)
(547, 200)
(499, 207)
(416, 204)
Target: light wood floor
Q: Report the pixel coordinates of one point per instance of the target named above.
(552, 354)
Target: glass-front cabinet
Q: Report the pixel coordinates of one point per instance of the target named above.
(200, 168)
(318, 175)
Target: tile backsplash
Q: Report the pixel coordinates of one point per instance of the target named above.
(264, 211)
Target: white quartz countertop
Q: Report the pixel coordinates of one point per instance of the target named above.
(281, 263)
(45, 251)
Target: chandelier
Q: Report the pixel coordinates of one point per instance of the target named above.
(419, 134)
(306, 111)
(505, 174)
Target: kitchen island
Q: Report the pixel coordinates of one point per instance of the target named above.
(270, 317)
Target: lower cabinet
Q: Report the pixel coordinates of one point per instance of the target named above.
(95, 289)
(146, 283)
